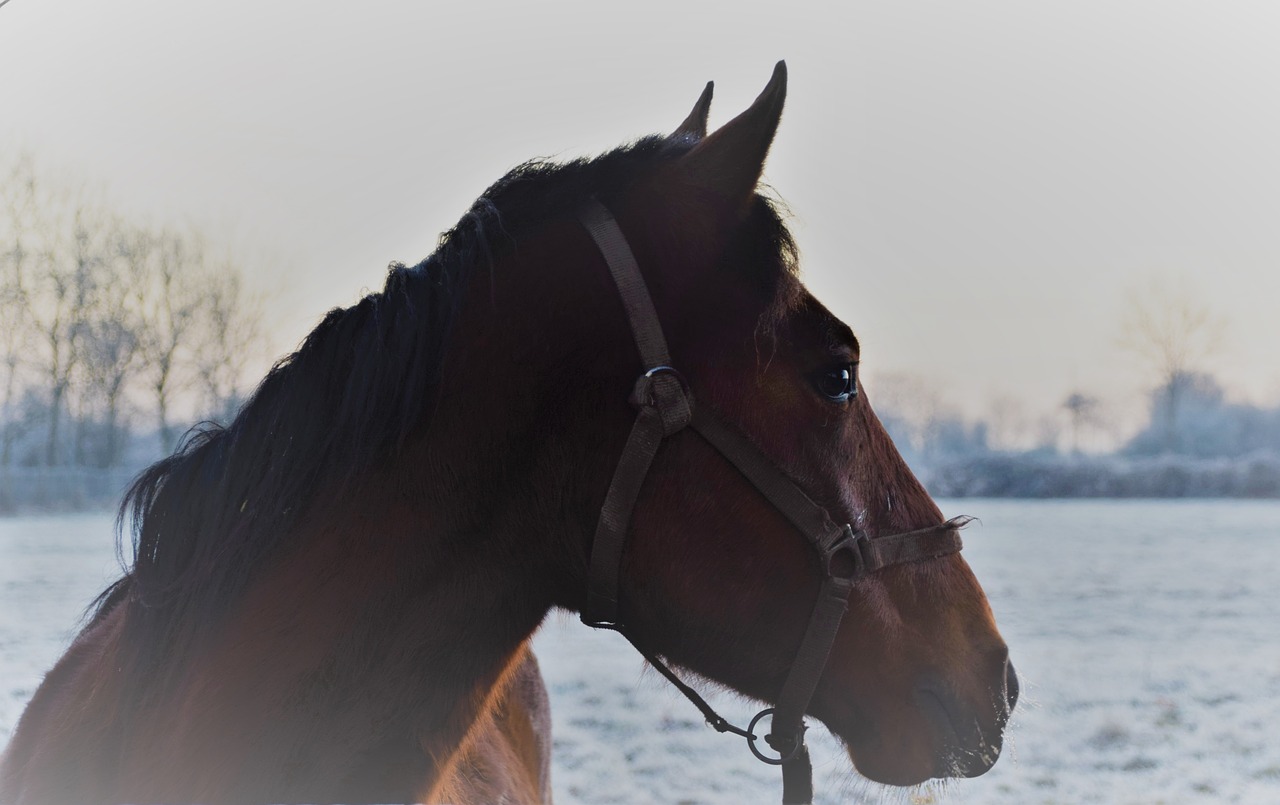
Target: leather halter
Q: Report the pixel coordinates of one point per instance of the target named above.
(665, 406)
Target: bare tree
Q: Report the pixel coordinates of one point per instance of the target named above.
(76, 275)
(169, 300)
(1173, 333)
(99, 315)
(17, 188)
(58, 241)
(1082, 410)
(110, 341)
(231, 337)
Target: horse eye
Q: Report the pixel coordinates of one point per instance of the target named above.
(839, 383)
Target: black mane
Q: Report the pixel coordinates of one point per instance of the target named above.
(205, 520)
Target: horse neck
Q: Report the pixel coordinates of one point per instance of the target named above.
(382, 636)
(533, 409)
(390, 626)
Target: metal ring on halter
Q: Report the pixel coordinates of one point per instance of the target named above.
(751, 741)
(670, 370)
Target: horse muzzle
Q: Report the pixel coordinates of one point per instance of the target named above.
(969, 734)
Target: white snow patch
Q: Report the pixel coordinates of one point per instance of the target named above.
(1145, 634)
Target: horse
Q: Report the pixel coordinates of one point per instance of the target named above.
(331, 598)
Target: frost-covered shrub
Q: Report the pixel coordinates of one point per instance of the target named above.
(1047, 476)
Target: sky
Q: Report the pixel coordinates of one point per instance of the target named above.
(978, 188)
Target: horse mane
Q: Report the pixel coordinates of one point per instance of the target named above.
(204, 520)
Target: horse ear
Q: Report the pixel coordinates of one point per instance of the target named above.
(729, 162)
(695, 125)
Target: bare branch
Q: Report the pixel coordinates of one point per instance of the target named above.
(1174, 334)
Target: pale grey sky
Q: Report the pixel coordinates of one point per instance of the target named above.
(976, 185)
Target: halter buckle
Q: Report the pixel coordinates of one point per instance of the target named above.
(672, 401)
(670, 370)
(844, 559)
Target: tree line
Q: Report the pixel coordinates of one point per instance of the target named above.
(116, 335)
(112, 332)
(1194, 442)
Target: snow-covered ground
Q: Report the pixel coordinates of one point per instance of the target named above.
(1145, 633)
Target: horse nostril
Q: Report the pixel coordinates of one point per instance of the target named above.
(1011, 685)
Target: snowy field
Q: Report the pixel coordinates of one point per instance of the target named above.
(1146, 634)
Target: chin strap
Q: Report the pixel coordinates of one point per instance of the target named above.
(665, 406)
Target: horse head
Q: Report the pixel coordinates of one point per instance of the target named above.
(713, 576)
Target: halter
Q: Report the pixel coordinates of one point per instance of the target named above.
(665, 406)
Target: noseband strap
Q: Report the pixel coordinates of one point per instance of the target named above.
(665, 406)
